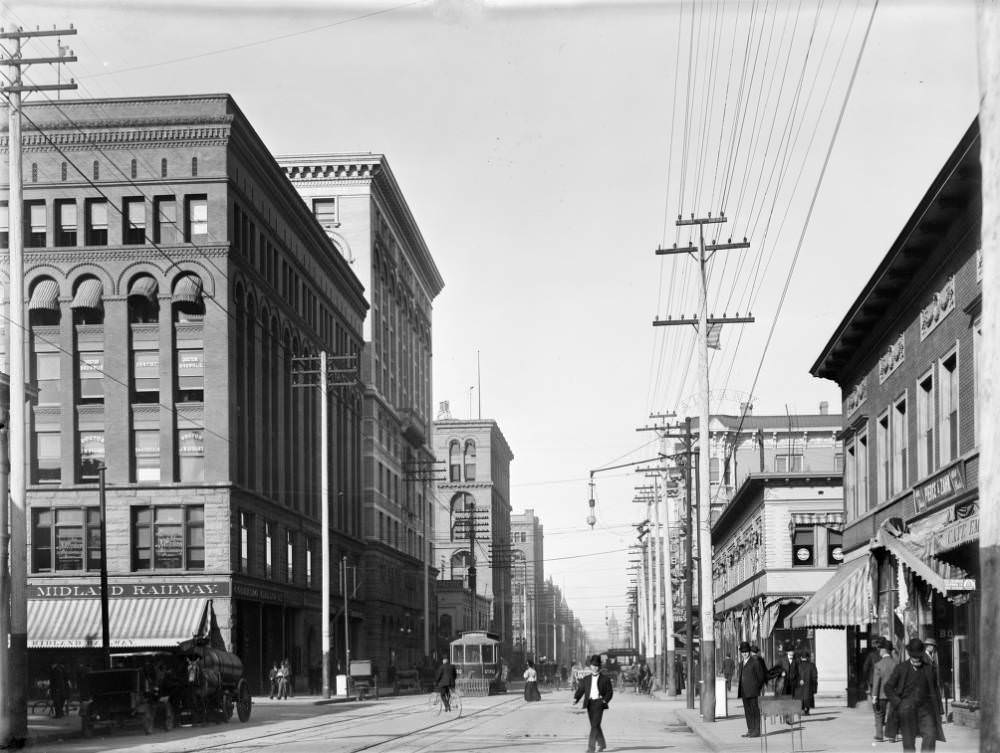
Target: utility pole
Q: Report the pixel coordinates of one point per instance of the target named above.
(347, 631)
(424, 472)
(703, 253)
(14, 666)
(988, 17)
(689, 585)
(325, 372)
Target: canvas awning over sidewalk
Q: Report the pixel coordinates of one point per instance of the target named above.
(133, 622)
(843, 600)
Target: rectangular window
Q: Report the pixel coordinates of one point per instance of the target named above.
(788, 463)
(65, 539)
(803, 546)
(96, 211)
(246, 524)
(168, 538)
(65, 222)
(838, 461)
(48, 455)
(925, 425)
(146, 447)
(851, 481)
(713, 470)
(289, 556)
(882, 453)
(146, 376)
(309, 563)
(133, 221)
(948, 414)
(195, 218)
(91, 376)
(862, 474)
(900, 447)
(326, 212)
(977, 356)
(834, 548)
(269, 550)
(4, 224)
(165, 220)
(191, 454)
(47, 378)
(91, 447)
(190, 375)
(35, 221)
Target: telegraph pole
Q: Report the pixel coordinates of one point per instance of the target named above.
(689, 585)
(14, 666)
(988, 17)
(326, 372)
(703, 253)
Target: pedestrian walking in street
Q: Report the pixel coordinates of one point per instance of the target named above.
(444, 681)
(272, 678)
(916, 699)
(783, 671)
(752, 679)
(531, 683)
(806, 679)
(286, 670)
(880, 701)
(728, 667)
(596, 691)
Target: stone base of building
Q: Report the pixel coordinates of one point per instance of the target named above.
(965, 716)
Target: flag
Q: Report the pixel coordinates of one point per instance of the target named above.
(714, 331)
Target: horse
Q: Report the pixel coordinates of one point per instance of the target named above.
(203, 685)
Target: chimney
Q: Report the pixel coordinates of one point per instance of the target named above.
(824, 408)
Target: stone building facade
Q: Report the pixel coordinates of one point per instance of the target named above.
(527, 577)
(171, 275)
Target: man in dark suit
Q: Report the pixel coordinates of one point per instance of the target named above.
(444, 681)
(596, 691)
(913, 691)
(752, 676)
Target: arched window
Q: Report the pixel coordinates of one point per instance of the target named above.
(460, 564)
(470, 460)
(188, 304)
(463, 505)
(454, 466)
(143, 300)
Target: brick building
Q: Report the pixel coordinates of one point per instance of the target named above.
(171, 274)
(528, 576)
(362, 209)
(904, 357)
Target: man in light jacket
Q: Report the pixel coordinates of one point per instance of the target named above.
(881, 673)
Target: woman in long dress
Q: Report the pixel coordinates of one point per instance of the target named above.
(531, 683)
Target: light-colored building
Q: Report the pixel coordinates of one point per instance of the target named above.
(171, 275)
(472, 535)
(357, 201)
(527, 575)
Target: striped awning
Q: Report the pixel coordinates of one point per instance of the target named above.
(188, 290)
(88, 295)
(45, 296)
(144, 287)
(132, 623)
(833, 520)
(938, 574)
(842, 601)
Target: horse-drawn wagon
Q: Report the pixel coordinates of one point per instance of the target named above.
(213, 687)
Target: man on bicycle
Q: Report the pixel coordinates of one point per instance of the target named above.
(444, 681)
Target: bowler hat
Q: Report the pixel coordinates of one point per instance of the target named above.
(930, 642)
(595, 660)
(915, 647)
(744, 648)
(787, 646)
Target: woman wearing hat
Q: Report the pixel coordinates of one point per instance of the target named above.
(913, 692)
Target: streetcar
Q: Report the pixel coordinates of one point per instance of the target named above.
(480, 668)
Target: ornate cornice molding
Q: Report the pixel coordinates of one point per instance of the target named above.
(51, 257)
(118, 138)
(321, 171)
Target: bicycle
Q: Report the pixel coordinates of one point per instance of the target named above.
(436, 705)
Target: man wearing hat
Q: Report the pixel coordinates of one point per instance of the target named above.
(913, 692)
(881, 673)
(752, 677)
(782, 672)
(596, 691)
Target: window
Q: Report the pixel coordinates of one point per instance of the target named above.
(34, 172)
(788, 463)
(91, 376)
(883, 454)
(146, 451)
(851, 480)
(163, 167)
(246, 523)
(713, 470)
(190, 375)
(146, 376)
(326, 212)
(977, 356)
(97, 170)
(67, 538)
(838, 461)
(269, 549)
(289, 556)
(4, 224)
(454, 466)
(65, 222)
(133, 221)
(168, 538)
(194, 166)
(948, 415)
(309, 563)
(165, 219)
(134, 169)
(36, 223)
(925, 425)
(803, 546)
(63, 170)
(196, 217)
(900, 446)
(91, 445)
(97, 222)
(191, 454)
(48, 454)
(47, 378)
(862, 473)
(834, 548)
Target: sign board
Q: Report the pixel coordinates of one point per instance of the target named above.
(955, 534)
(946, 484)
(192, 589)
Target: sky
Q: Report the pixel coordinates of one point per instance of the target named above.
(545, 150)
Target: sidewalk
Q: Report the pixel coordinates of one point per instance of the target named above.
(831, 726)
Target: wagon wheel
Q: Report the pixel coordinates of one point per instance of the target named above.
(243, 700)
(147, 719)
(168, 716)
(227, 705)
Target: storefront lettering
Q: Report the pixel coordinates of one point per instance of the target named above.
(955, 534)
(946, 484)
(253, 593)
(91, 590)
